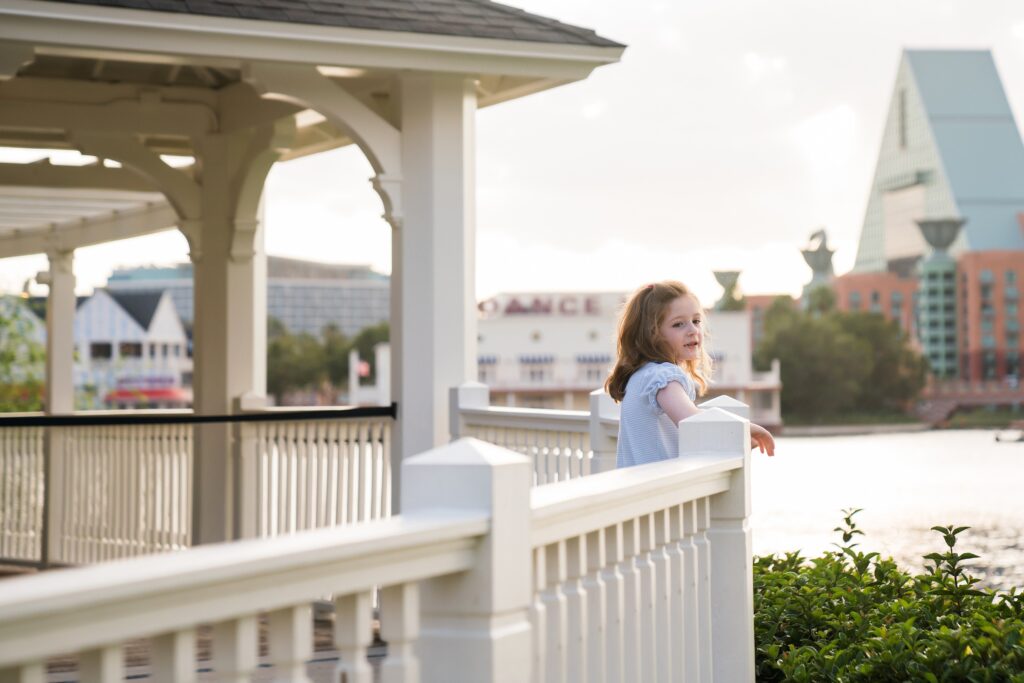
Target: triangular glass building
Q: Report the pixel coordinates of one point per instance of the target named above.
(951, 156)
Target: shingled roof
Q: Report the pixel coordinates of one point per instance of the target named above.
(466, 18)
(139, 305)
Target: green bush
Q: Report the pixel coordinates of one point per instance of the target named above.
(853, 616)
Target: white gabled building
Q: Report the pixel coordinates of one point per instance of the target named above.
(131, 351)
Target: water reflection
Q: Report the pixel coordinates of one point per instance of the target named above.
(906, 484)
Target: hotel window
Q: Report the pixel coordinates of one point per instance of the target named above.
(876, 302)
(129, 350)
(854, 301)
(986, 276)
(101, 350)
(988, 341)
(1011, 277)
(1011, 293)
(536, 369)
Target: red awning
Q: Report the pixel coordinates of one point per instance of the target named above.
(162, 395)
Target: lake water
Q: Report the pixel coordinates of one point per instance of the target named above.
(906, 484)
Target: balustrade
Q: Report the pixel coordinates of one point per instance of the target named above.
(618, 576)
(89, 488)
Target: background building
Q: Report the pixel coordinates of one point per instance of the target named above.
(951, 159)
(551, 349)
(305, 296)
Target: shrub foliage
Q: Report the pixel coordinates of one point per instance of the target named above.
(854, 616)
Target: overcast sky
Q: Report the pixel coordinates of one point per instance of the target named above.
(730, 131)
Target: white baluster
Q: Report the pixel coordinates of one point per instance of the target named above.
(662, 599)
(386, 465)
(679, 576)
(614, 587)
(538, 617)
(632, 610)
(597, 608)
(555, 608)
(103, 665)
(235, 650)
(648, 642)
(290, 636)
(700, 540)
(399, 628)
(691, 645)
(353, 631)
(173, 657)
(576, 607)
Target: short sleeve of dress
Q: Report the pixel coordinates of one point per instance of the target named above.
(660, 377)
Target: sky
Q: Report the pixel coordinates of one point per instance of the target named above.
(729, 132)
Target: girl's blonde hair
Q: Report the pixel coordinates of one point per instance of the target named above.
(640, 340)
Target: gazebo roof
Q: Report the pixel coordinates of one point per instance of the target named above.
(120, 67)
(468, 18)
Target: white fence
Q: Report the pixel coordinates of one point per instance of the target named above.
(560, 443)
(83, 494)
(314, 474)
(633, 575)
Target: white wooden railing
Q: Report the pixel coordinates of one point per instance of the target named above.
(80, 494)
(314, 474)
(559, 443)
(641, 574)
(119, 491)
(21, 492)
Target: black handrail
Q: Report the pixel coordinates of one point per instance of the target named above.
(353, 413)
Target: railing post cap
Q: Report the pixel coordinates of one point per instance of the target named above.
(723, 402)
(466, 451)
(713, 414)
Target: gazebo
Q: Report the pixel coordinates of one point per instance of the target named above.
(238, 85)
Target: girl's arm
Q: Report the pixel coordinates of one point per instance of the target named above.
(676, 404)
(762, 439)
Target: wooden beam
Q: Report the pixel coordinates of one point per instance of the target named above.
(144, 220)
(94, 177)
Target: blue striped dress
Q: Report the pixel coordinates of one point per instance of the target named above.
(646, 433)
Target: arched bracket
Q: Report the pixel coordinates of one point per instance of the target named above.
(304, 85)
(265, 146)
(182, 192)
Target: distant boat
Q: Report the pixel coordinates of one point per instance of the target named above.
(1014, 434)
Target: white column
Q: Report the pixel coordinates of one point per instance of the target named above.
(714, 433)
(229, 335)
(433, 303)
(475, 624)
(60, 391)
(60, 337)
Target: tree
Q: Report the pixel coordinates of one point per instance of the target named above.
(898, 372)
(834, 362)
(336, 348)
(21, 360)
(294, 362)
(823, 367)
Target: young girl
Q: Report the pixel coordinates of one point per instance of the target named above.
(662, 368)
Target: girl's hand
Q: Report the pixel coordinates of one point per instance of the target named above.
(762, 439)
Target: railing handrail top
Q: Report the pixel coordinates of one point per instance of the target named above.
(537, 418)
(115, 417)
(596, 501)
(239, 563)
(516, 411)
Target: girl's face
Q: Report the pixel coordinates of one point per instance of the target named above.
(682, 329)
